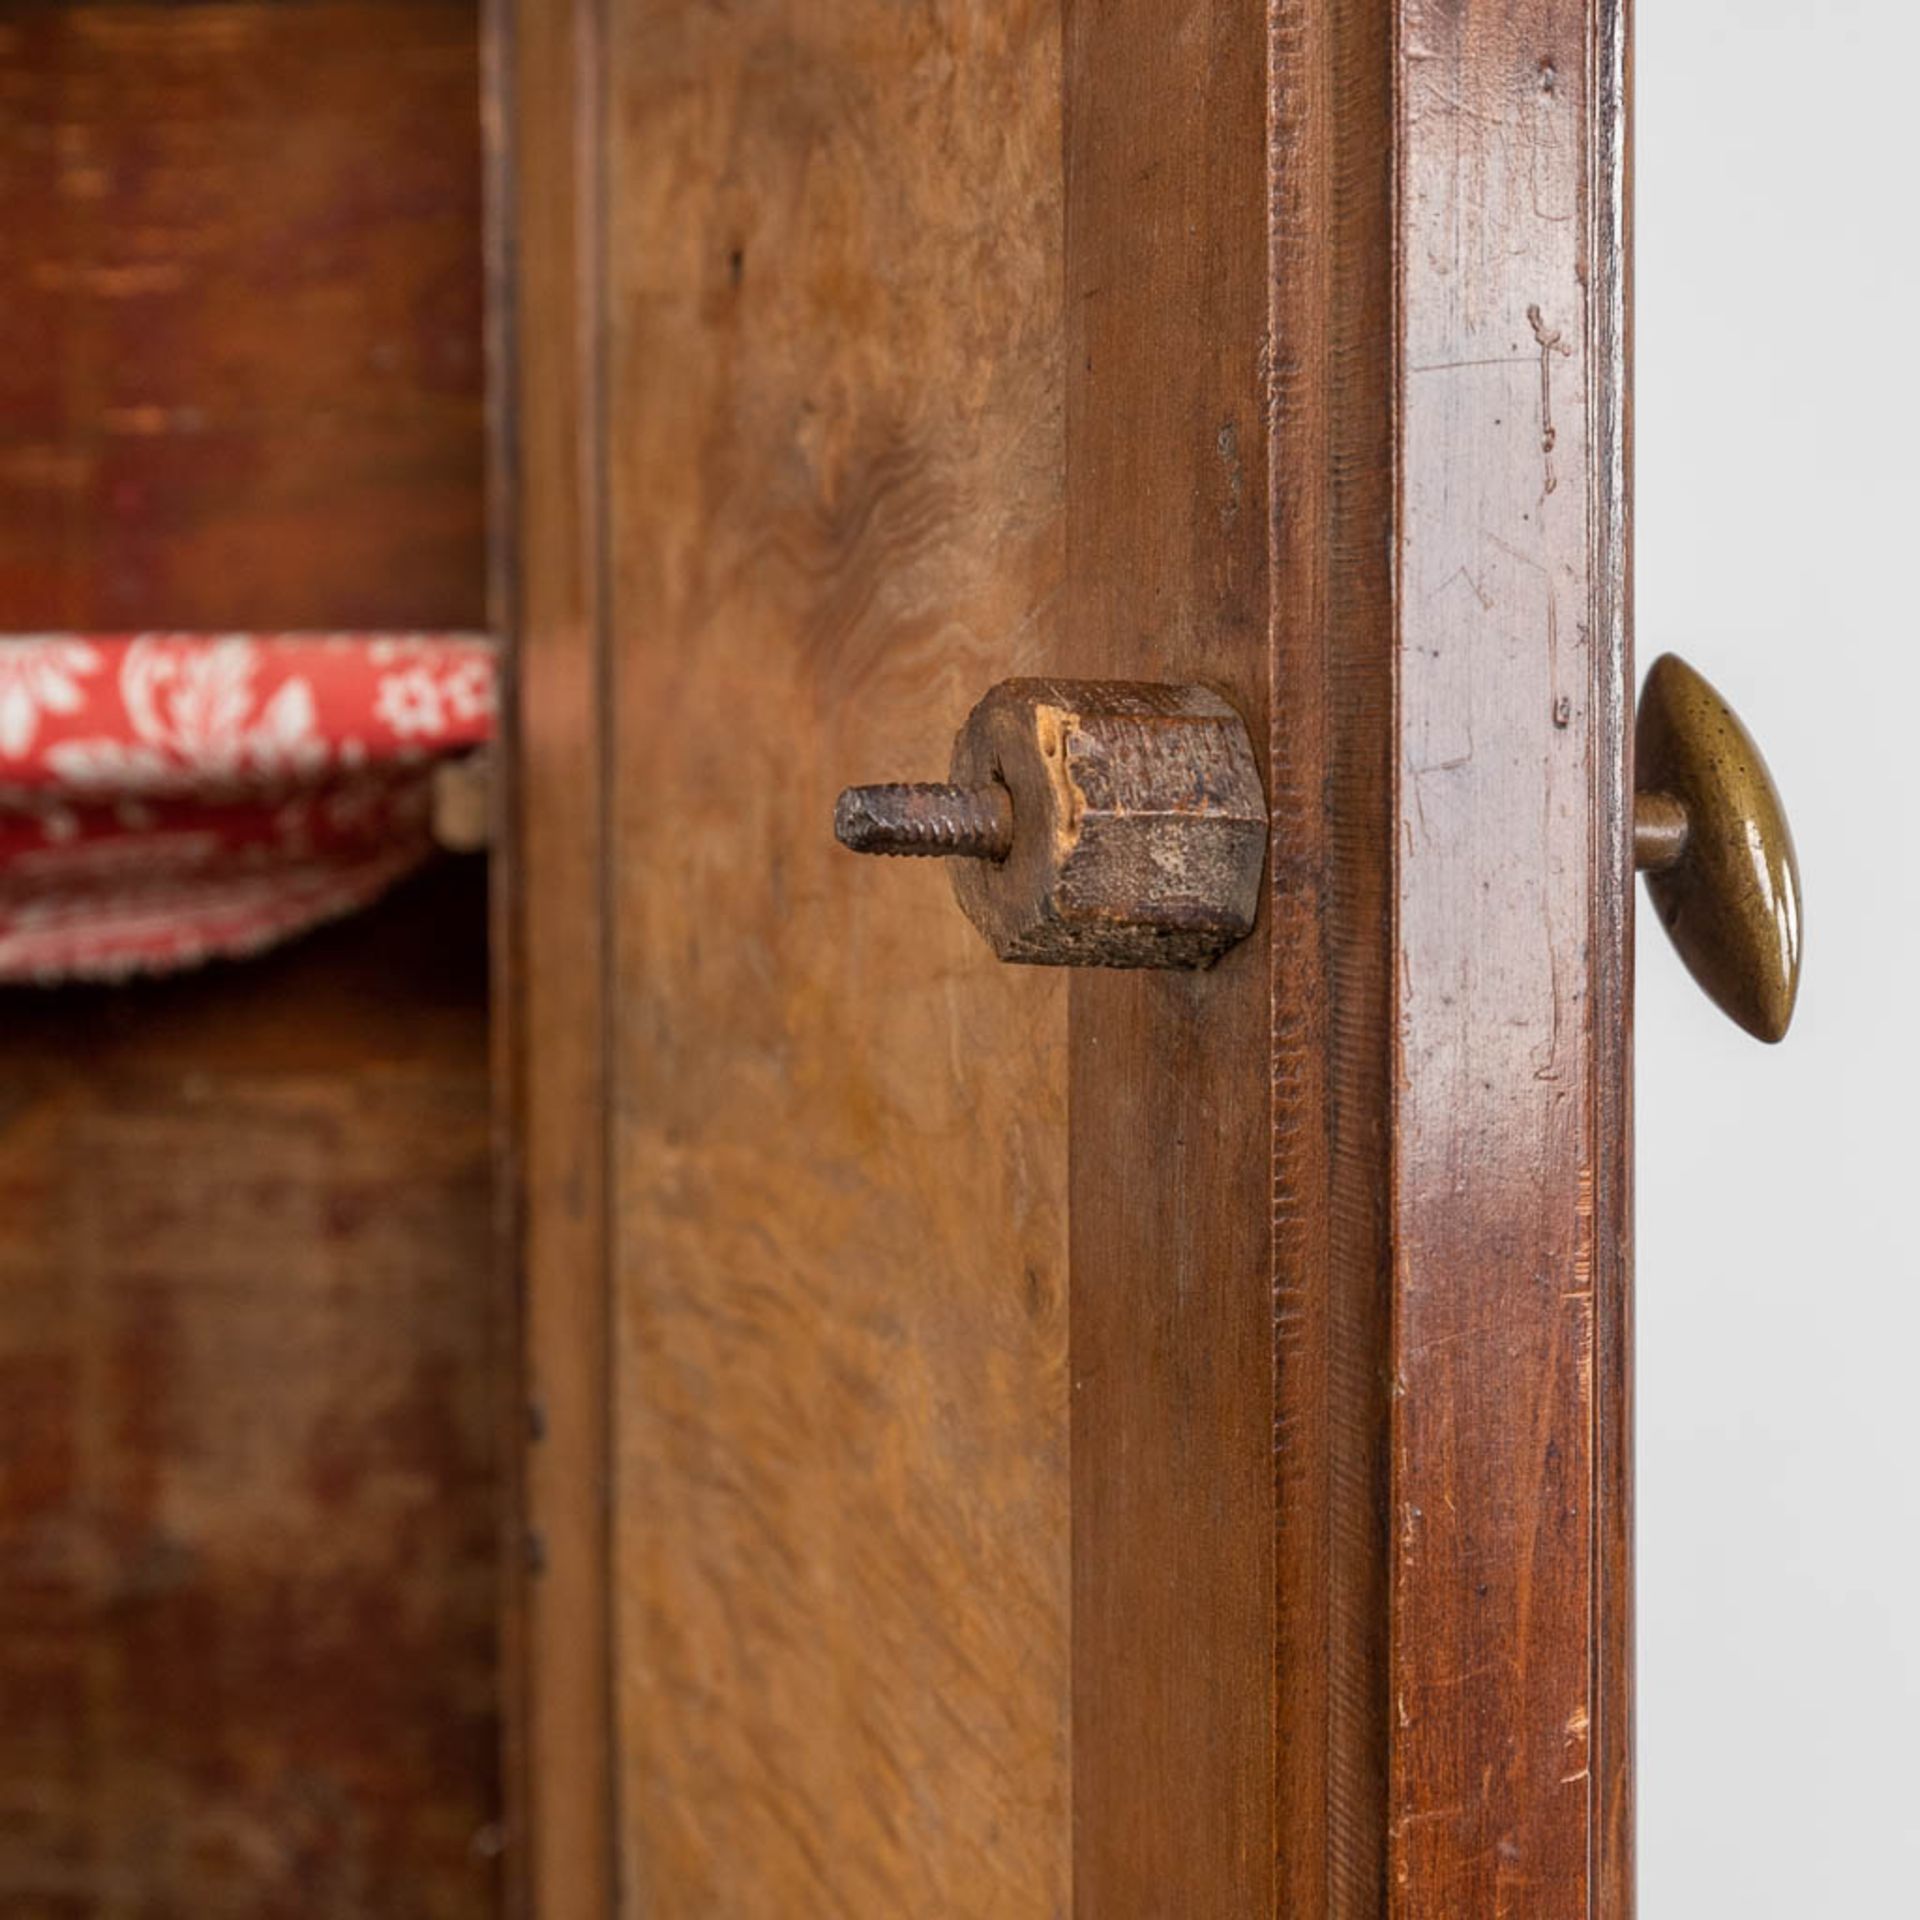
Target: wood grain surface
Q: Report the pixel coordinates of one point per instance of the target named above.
(249, 1458)
(1514, 871)
(1346, 437)
(240, 350)
(552, 882)
(1297, 368)
(834, 509)
(1334, 270)
(1174, 1572)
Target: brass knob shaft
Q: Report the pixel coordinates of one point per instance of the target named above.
(1712, 838)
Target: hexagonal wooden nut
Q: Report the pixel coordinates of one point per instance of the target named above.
(1139, 825)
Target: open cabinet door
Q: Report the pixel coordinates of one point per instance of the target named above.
(1010, 1440)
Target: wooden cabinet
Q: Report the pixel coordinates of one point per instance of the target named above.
(1128, 1443)
(253, 1353)
(963, 1439)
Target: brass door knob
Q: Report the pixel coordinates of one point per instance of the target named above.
(1711, 836)
(1092, 823)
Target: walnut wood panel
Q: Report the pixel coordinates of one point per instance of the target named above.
(834, 446)
(1172, 1300)
(248, 1445)
(240, 352)
(1321, 403)
(551, 889)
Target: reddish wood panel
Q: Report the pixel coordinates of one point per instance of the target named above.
(1334, 269)
(240, 352)
(248, 1435)
(250, 1363)
(1510, 1018)
(1346, 438)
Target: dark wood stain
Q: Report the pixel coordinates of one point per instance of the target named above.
(553, 879)
(251, 1352)
(1508, 1370)
(1332, 962)
(249, 1454)
(240, 353)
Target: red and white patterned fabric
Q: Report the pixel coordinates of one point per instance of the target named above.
(171, 798)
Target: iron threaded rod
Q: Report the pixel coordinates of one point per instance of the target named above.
(932, 821)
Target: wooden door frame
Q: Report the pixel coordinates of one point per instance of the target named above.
(1347, 299)
(1347, 439)
(552, 926)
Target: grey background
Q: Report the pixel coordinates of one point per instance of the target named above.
(1779, 1297)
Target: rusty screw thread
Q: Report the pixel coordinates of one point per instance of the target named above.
(930, 821)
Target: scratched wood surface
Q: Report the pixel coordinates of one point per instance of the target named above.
(833, 436)
(248, 1435)
(1335, 421)
(1345, 409)
(1509, 1583)
(240, 358)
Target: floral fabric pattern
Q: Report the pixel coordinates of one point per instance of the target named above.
(171, 798)
(39, 677)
